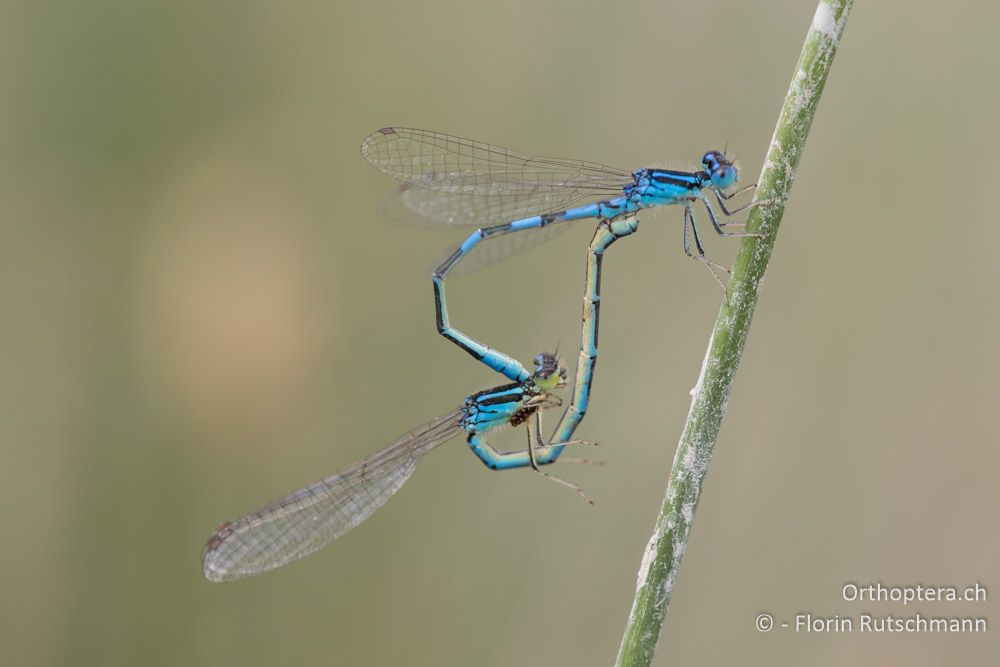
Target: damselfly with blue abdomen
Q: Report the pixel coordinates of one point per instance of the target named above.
(311, 518)
(516, 199)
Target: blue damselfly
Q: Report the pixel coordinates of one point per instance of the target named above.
(310, 518)
(516, 200)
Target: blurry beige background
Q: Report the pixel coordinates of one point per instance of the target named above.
(202, 311)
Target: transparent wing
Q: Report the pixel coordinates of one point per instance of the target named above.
(310, 518)
(454, 181)
(501, 247)
(413, 205)
(462, 166)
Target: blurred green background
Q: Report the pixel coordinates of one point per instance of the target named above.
(202, 311)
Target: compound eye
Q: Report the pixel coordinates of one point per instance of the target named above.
(539, 360)
(725, 176)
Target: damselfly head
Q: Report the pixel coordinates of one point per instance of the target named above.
(549, 372)
(721, 169)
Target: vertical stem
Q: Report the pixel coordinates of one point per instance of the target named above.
(662, 557)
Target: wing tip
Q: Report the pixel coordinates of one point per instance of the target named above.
(212, 574)
(371, 143)
(211, 568)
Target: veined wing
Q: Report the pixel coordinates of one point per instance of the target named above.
(312, 517)
(502, 247)
(455, 181)
(413, 205)
(454, 165)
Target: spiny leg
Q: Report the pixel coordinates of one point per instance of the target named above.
(722, 197)
(730, 212)
(589, 462)
(535, 437)
(544, 449)
(737, 193)
(712, 266)
(540, 451)
(718, 226)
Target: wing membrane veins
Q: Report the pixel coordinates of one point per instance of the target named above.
(463, 166)
(415, 206)
(449, 180)
(312, 517)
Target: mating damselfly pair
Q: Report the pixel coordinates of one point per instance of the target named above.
(514, 200)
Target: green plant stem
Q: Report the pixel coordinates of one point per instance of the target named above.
(662, 558)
